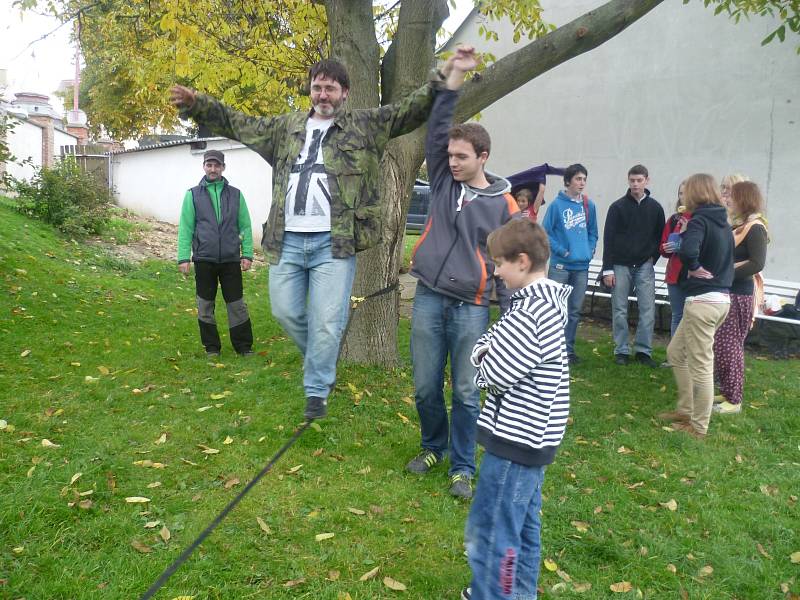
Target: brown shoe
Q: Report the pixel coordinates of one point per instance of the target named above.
(673, 417)
(689, 428)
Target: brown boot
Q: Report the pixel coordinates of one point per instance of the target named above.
(689, 428)
(673, 417)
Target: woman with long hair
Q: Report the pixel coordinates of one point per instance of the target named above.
(706, 252)
(749, 255)
(670, 243)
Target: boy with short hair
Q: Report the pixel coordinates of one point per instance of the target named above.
(523, 419)
(571, 225)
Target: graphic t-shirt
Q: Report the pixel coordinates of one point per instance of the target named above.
(308, 205)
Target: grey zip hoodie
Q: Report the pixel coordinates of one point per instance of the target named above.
(451, 257)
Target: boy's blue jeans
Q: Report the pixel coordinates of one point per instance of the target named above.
(502, 532)
(309, 291)
(441, 325)
(579, 280)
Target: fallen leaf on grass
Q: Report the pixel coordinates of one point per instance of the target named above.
(24, 353)
(795, 558)
(320, 537)
(264, 527)
(356, 511)
(90, 379)
(228, 440)
(18, 550)
(670, 504)
(581, 526)
(621, 586)
(672, 568)
(207, 450)
(705, 571)
(581, 587)
(152, 524)
(75, 478)
(183, 598)
(231, 482)
(153, 485)
(103, 370)
(162, 438)
(204, 408)
(149, 464)
(137, 500)
(48, 444)
(550, 564)
(318, 452)
(365, 471)
(165, 534)
(393, 585)
(403, 417)
(295, 469)
(85, 504)
(624, 450)
(188, 462)
(294, 582)
(763, 552)
(333, 575)
(564, 575)
(369, 574)
(140, 547)
(768, 490)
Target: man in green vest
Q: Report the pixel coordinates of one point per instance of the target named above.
(215, 234)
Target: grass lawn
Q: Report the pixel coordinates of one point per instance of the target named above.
(106, 396)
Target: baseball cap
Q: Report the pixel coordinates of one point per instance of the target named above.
(214, 155)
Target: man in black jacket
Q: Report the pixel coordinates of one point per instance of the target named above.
(630, 249)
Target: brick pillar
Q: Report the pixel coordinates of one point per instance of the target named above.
(48, 138)
(81, 132)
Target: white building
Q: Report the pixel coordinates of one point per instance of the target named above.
(680, 91)
(152, 181)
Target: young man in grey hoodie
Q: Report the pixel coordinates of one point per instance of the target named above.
(455, 280)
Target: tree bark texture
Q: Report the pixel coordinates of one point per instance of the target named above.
(372, 338)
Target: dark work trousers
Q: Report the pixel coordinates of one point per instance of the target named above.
(229, 277)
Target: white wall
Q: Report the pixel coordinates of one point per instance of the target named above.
(680, 91)
(24, 141)
(62, 138)
(154, 182)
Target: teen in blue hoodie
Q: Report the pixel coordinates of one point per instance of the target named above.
(571, 226)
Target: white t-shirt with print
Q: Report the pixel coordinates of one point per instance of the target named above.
(308, 206)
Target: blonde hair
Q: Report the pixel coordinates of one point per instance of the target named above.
(729, 180)
(700, 189)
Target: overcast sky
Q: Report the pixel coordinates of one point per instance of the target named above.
(39, 66)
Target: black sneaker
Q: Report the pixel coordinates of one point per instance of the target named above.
(466, 594)
(573, 359)
(247, 353)
(212, 353)
(646, 360)
(461, 486)
(422, 462)
(621, 359)
(316, 408)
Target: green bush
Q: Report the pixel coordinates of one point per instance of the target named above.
(64, 196)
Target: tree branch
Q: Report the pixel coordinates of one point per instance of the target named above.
(585, 33)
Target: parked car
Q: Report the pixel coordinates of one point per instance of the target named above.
(419, 205)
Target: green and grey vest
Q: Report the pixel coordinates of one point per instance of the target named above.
(214, 241)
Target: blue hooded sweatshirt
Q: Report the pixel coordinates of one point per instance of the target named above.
(572, 242)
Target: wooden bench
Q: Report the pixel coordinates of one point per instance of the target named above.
(785, 290)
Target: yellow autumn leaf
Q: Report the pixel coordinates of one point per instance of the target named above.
(137, 500)
(356, 511)
(582, 587)
(580, 526)
(140, 547)
(705, 571)
(295, 469)
(152, 524)
(670, 504)
(165, 534)
(393, 584)
(228, 440)
(183, 598)
(48, 444)
(550, 565)
(24, 353)
(369, 574)
(161, 439)
(672, 568)
(153, 485)
(622, 586)
(264, 527)
(333, 575)
(204, 408)
(75, 478)
(323, 536)
(795, 558)
(103, 370)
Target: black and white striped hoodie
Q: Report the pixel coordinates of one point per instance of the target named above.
(522, 364)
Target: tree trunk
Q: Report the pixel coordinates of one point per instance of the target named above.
(372, 338)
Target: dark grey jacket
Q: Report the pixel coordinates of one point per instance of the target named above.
(212, 241)
(450, 256)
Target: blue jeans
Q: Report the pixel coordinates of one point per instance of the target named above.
(643, 278)
(502, 534)
(677, 298)
(442, 325)
(578, 280)
(309, 291)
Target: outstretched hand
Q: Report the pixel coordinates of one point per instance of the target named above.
(463, 59)
(181, 97)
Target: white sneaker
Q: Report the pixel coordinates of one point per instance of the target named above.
(726, 408)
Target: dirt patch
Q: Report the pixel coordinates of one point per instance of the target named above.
(153, 240)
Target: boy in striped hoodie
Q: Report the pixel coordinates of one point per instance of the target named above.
(522, 364)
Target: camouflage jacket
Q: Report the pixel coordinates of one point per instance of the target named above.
(351, 150)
